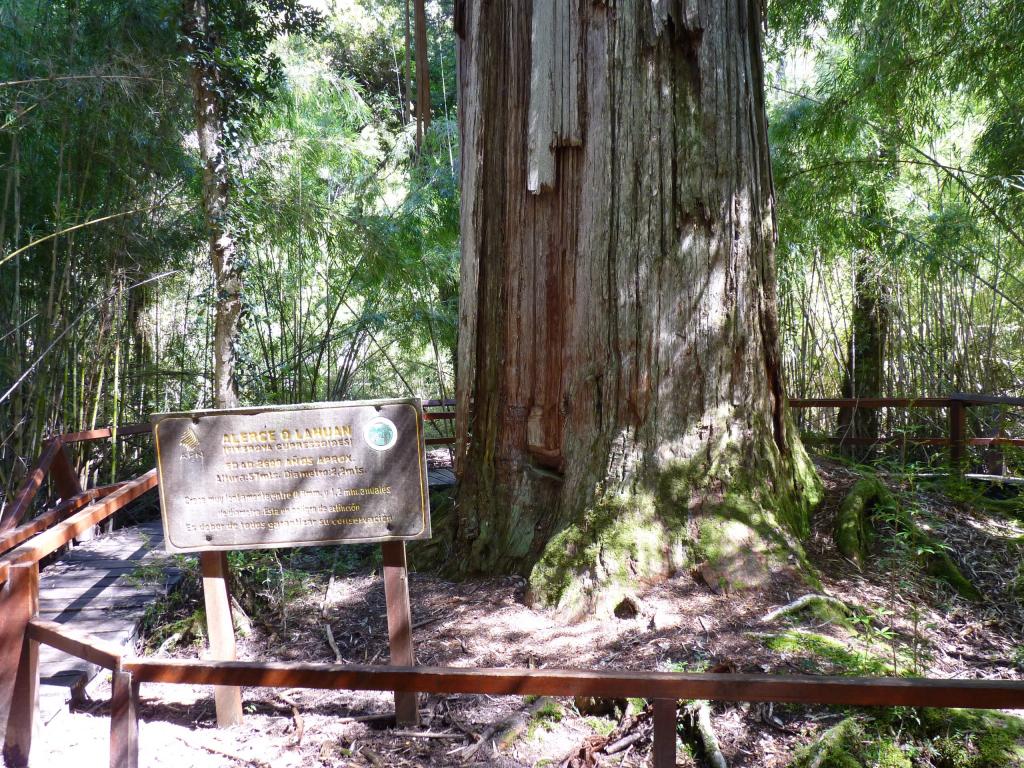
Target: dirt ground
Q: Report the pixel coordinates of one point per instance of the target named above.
(682, 624)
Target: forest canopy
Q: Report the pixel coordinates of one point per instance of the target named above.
(346, 230)
(897, 148)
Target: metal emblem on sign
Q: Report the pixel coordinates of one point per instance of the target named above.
(381, 434)
(257, 478)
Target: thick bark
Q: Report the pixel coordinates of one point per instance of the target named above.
(865, 355)
(619, 375)
(227, 275)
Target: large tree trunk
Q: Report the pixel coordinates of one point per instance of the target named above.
(227, 277)
(865, 356)
(620, 404)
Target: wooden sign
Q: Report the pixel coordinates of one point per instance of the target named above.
(291, 476)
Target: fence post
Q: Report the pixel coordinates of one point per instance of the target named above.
(396, 595)
(957, 434)
(124, 721)
(63, 472)
(19, 662)
(221, 630)
(663, 752)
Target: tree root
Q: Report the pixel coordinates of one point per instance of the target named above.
(240, 619)
(700, 712)
(807, 601)
(853, 534)
(300, 723)
(829, 742)
(333, 643)
(503, 734)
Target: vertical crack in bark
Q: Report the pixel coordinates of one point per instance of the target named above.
(763, 182)
(611, 288)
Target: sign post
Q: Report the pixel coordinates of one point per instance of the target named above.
(305, 475)
(220, 628)
(396, 595)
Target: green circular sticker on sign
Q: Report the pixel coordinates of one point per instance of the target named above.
(380, 434)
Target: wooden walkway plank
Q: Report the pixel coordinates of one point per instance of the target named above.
(102, 587)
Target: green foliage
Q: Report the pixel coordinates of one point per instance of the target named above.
(823, 654)
(177, 620)
(896, 139)
(348, 236)
(91, 115)
(267, 581)
(602, 726)
(230, 44)
(946, 738)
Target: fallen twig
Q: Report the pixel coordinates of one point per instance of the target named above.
(334, 645)
(429, 620)
(502, 734)
(621, 744)
(429, 735)
(802, 602)
(224, 753)
(300, 724)
(382, 719)
(327, 595)
(511, 729)
(469, 752)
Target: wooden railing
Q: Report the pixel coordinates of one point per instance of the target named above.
(956, 405)
(446, 414)
(664, 688)
(23, 548)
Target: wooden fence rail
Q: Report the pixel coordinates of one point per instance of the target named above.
(956, 405)
(666, 689)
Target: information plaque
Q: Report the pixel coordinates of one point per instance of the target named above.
(325, 473)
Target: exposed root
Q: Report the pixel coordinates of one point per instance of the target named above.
(299, 722)
(700, 711)
(807, 601)
(334, 644)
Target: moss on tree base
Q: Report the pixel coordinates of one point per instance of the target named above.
(853, 534)
(686, 514)
(948, 738)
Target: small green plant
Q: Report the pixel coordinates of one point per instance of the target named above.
(600, 725)
(637, 705)
(146, 573)
(545, 717)
(905, 738)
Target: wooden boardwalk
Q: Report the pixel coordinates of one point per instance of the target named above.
(102, 586)
(440, 477)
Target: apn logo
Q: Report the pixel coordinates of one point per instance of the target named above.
(190, 450)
